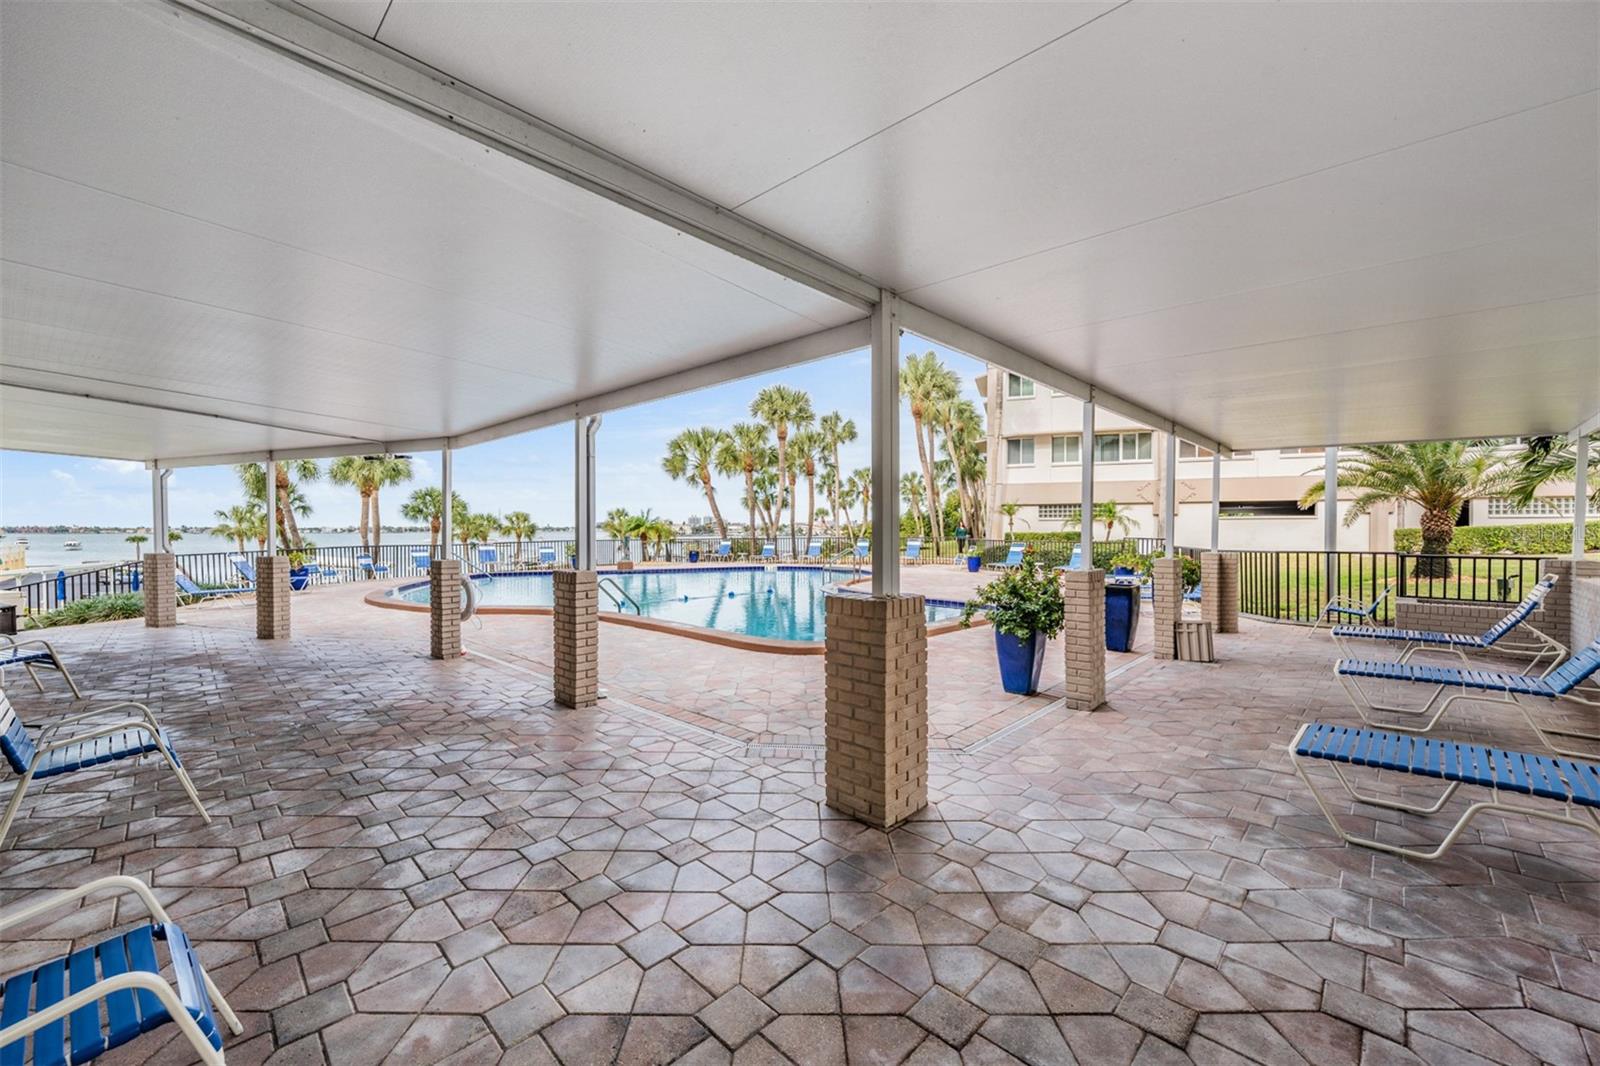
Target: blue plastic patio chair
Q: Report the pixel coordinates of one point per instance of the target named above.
(1572, 783)
(187, 589)
(913, 550)
(724, 550)
(814, 550)
(30, 655)
(769, 551)
(1542, 649)
(1013, 558)
(547, 556)
(58, 1003)
(488, 558)
(863, 549)
(1350, 607)
(58, 750)
(421, 561)
(1487, 686)
(365, 564)
(245, 568)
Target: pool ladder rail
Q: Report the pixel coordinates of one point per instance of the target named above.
(618, 595)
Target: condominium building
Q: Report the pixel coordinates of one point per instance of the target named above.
(1035, 449)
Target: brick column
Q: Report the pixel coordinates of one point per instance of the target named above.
(1564, 617)
(1219, 590)
(876, 720)
(577, 638)
(160, 580)
(1167, 605)
(444, 608)
(272, 597)
(1084, 592)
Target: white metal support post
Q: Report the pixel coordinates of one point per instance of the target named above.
(1216, 501)
(1580, 491)
(583, 522)
(1330, 521)
(1086, 512)
(445, 496)
(1169, 495)
(885, 446)
(158, 508)
(272, 507)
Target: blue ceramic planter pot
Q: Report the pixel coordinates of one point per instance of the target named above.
(299, 577)
(694, 555)
(973, 563)
(1021, 662)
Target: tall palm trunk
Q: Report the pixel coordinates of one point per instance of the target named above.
(936, 503)
(922, 454)
(433, 534)
(711, 499)
(377, 521)
(783, 481)
(366, 505)
(286, 523)
(793, 527)
(750, 498)
(811, 499)
(955, 463)
(1438, 529)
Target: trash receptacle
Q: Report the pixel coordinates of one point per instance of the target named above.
(1122, 615)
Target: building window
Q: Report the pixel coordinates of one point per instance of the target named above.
(1541, 507)
(1301, 451)
(1060, 512)
(1121, 447)
(1262, 509)
(1019, 451)
(1018, 387)
(1189, 450)
(1066, 449)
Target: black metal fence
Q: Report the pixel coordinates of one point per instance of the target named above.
(1294, 586)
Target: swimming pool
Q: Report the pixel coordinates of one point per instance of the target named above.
(767, 603)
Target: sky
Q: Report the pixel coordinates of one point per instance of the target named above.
(531, 472)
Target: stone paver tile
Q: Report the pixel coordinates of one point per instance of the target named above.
(947, 1016)
(1156, 1013)
(311, 1013)
(808, 1040)
(735, 1016)
(653, 1040)
(523, 1015)
(1034, 1039)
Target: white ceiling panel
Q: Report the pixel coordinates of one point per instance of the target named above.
(726, 99)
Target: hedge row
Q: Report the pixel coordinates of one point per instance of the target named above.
(1541, 538)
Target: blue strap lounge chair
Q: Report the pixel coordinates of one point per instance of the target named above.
(31, 655)
(96, 736)
(769, 551)
(547, 556)
(1349, 607)
(814, 550)
(488, 558)
(1572, 783)
(245, 568)
(1013, 558)
(365, 564)
(421, 560)
(188, 590)
(1543, 649)
(863, 549)
(724, 550)
(914, 550)
(58, 1003)
(1487, 686)
(1076, 557)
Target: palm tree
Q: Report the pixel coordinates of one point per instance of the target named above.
(291, 504)
(475, 528)
(835, 430)
(1110, 513)
(740, 454)
(240, 523)
(656, 532)
(691, 456)
(861, 487)
(136, 539)
(911, 495)
(173, 536)
(1437, 476)
(781, 407)
(1545, 459)
(521, 526)
(620, 526)
(962, 424)
(426, 505)
(804, 448)
(368, 474)
(848, 494)
(1010, 510)
(927, 384)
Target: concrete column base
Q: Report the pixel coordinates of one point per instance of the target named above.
(1084, 593)
(160, 583)
(1167, 605)
(444, 609)
(272, 597)
(576, 620)
(1219, 590)
(876, 722)
(1568, 609)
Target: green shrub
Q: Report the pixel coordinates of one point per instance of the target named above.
(1022, 601)
(95, 609)
(1541, 538)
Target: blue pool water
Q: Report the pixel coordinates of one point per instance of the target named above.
(778, 604)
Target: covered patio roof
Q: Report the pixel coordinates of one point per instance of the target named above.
(231, 230)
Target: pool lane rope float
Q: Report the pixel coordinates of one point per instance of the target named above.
(718, 596)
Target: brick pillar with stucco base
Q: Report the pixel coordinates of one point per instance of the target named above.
(577, 638)
(160, 583)
(876, 718)
(444, 608)
(1219, 590)
(1084, 593)
(1167, 605)
(272, 597)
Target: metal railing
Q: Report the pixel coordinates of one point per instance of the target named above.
(50, 593)
(618, 595)
(1293, 586)
(1058, 552)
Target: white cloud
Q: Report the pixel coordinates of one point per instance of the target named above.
(118, 466)
(64, 477)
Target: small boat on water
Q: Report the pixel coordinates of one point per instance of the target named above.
(72, 546)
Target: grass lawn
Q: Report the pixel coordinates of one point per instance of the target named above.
(1290, 585)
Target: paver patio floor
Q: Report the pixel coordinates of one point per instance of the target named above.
(420, 862)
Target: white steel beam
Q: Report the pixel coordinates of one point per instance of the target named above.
(447, 491)
(1588, 426)
(1086, 510)
(393, 447)
(583, 464)
(886, 447)
(820, 345)
(936, 327)
(1330, 521)
(272, 507)
(1216, 501)
(1169, 494)
(1580, 492)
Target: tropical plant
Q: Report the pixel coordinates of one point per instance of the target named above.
(861, 489)
(292, 504)
(1010, 510)
(240, 523)
(1544, 459)
(136, 539)
(928, 385)
(427, 505)
(1113, 515)
(741, 453)
(783, 408)
(1020, 602)
(835, 431)
(962, 424)
(476, 528)
(368, 475)
(805, 449)
(691, 457)
(911, 495)
(521, 526)
(654, 535)
(174, 535)
(1439, 477)
(621, 526)
(93, 609)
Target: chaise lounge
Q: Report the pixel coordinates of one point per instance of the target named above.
(44, 654)
(1543, 649)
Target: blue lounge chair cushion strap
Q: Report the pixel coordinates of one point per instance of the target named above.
(29, 657)
(1513, 771)
(1415, 636)
(1358, 612)
(127, 1013)
(1489, 680)
(121, 745)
